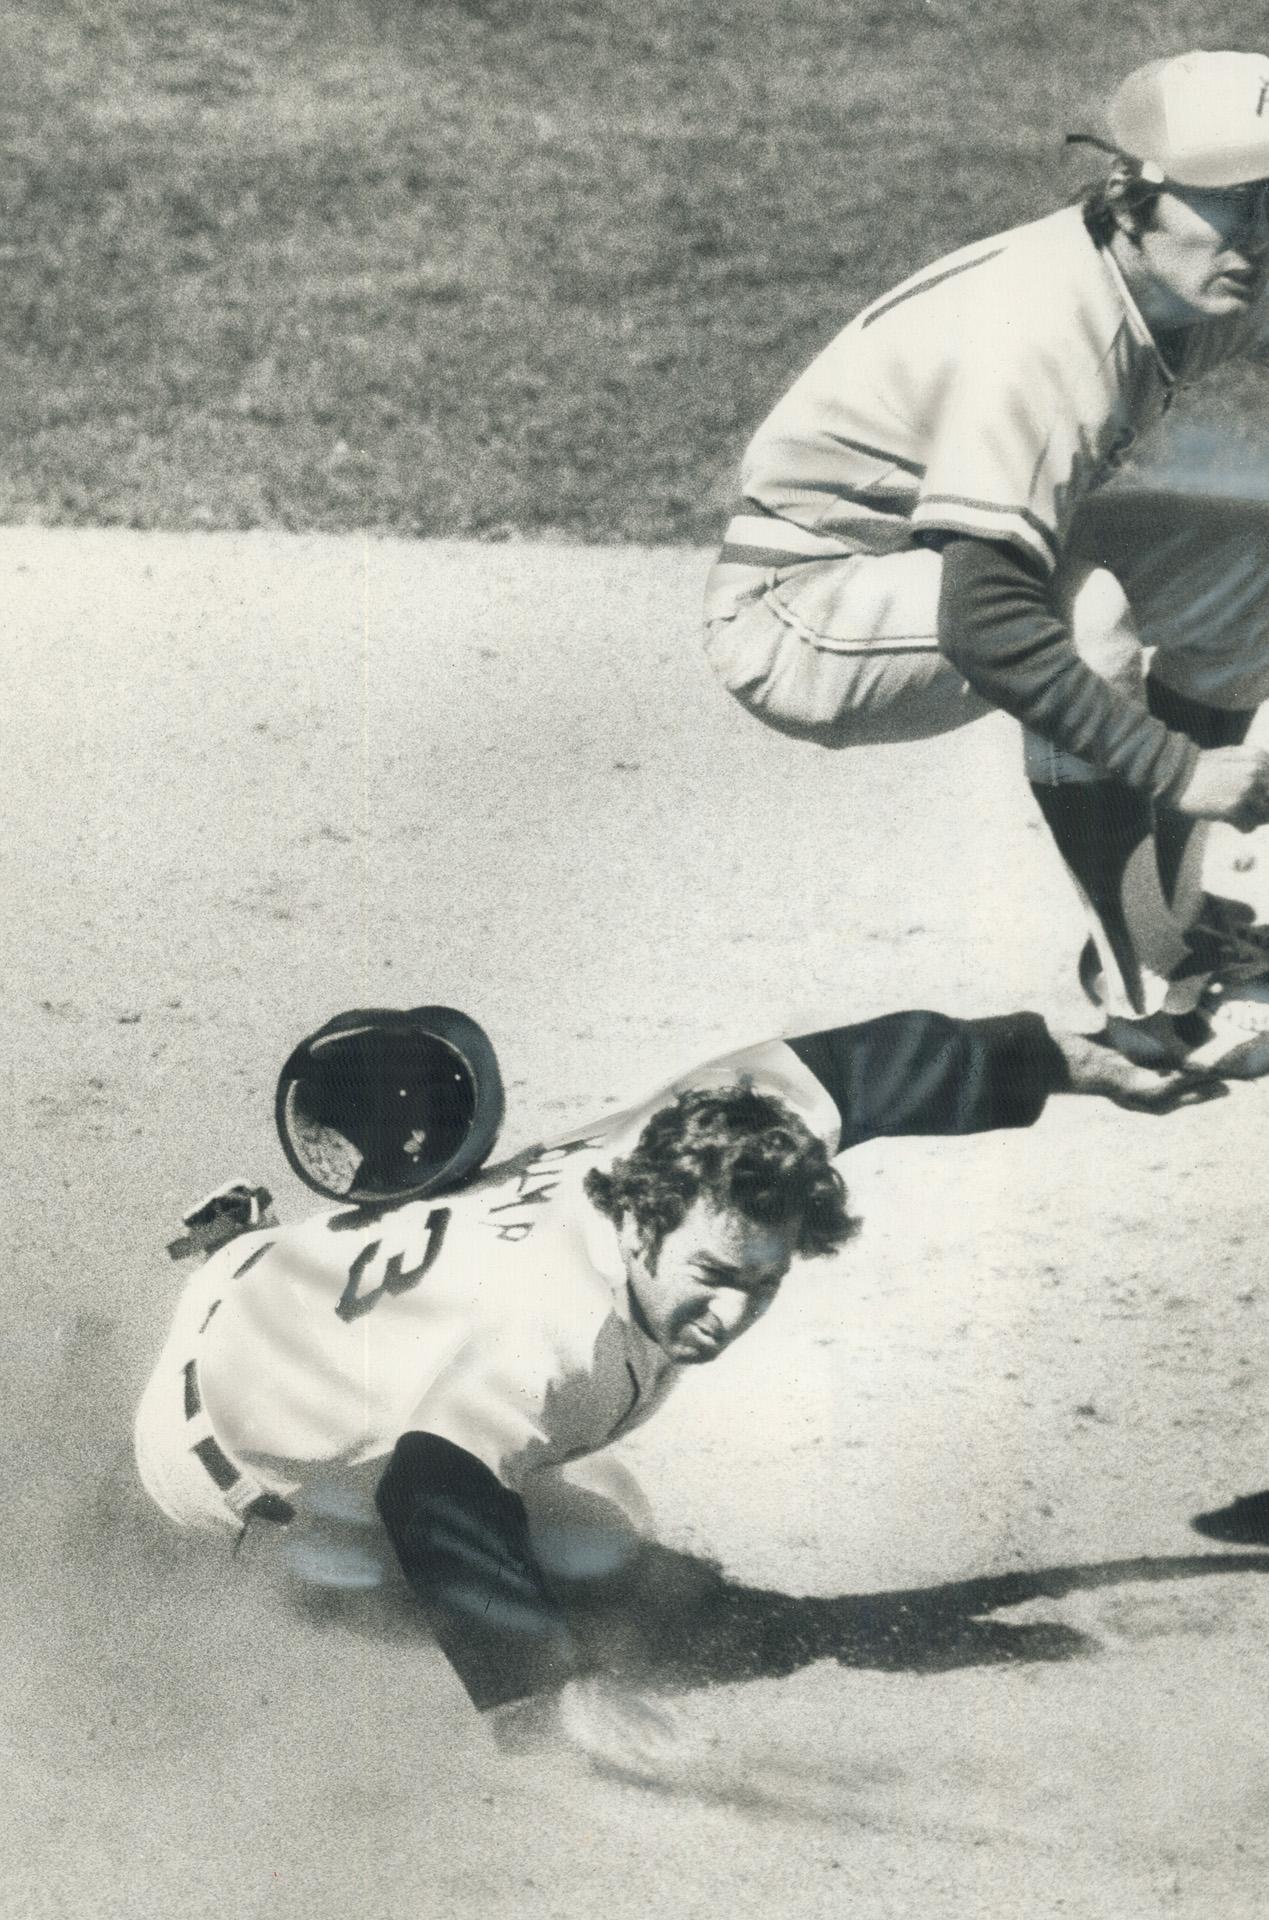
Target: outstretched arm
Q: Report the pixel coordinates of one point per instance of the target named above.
(925, 1073)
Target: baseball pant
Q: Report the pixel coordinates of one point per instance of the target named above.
(843, 652)
(187, 1472)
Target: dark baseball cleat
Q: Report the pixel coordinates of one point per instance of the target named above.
(1243, 1523)
(1225, 940)
(1223, 915)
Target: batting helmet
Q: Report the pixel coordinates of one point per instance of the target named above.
(380, 1105)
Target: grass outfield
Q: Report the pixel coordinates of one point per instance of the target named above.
(496, 267)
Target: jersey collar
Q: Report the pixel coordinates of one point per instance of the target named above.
(603, 1250)
(1136, 323)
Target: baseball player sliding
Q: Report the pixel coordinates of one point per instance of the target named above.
(450, 1354)
(924, 533)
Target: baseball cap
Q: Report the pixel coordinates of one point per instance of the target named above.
(1198, 119)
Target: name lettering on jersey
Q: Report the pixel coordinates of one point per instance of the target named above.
(535, 1184)
(1263, 101)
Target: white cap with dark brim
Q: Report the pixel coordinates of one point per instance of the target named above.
(1197, 120)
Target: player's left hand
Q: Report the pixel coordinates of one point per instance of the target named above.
(1096, 1068)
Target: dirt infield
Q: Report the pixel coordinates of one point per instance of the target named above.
(981, 1665)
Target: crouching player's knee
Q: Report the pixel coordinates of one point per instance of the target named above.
(835, 695)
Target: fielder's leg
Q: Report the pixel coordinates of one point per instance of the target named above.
(1197, 576)
(841, 652)
(1104, 830)
(1195, 568)
(1181, 841)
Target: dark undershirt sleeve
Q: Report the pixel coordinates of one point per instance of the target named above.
(998, 629)
(463, 1541)
(924, 1073)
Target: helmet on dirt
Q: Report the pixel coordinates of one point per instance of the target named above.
(379, 1105)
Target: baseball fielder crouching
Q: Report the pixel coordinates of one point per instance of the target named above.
(925, 534)
(453, 1353)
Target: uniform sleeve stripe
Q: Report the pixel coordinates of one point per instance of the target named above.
(881, 453)
(765, 557)
(785, 536)
(872, 536)
(880, 499)
(991, 525)
(993, 509)
(924, 286)
(874, 494)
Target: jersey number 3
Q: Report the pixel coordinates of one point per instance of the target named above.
(397, 1277)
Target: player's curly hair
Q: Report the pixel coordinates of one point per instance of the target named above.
(1123, 193)
(736, 1148)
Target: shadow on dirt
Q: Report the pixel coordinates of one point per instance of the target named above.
(735, 1633)
(672, 1620)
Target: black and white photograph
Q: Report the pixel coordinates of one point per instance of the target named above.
(636, 929)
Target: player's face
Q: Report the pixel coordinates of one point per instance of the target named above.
(1206, 256)
(708, 1281)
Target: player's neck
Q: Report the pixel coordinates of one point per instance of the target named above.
(1160, 308)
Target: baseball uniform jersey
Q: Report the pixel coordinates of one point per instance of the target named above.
(496, 1317)
(985, 395)
(472, 1341)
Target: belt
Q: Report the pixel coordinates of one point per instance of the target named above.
(245, 1496)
